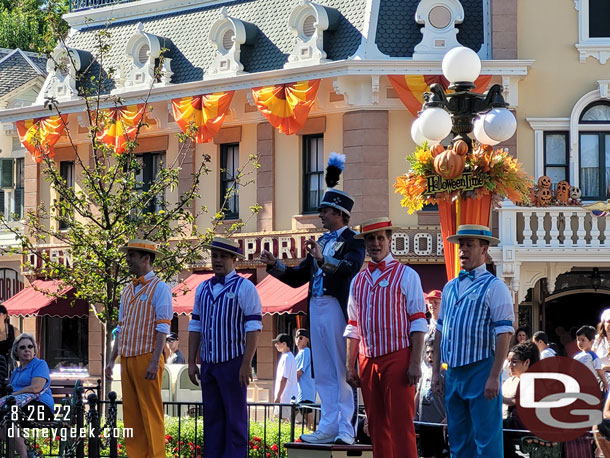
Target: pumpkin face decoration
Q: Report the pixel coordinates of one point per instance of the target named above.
(562, 193)
(544, 182)
(449, 164)
(544, 197)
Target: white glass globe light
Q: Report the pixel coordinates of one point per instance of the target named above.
(416, 134)
(500, 124)
(479, 132)
(461, 65)
(435, 124)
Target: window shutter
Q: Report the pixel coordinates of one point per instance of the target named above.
(6, 180)
(2, 194)
(18, 202)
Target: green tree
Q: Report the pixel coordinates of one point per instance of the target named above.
(110, 204)
(32, 25)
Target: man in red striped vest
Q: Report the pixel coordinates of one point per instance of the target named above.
(144, 321)
(386, 327)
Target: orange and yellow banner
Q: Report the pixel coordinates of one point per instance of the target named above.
(205, 113)
(286, 106)
(119, 125)
(39, 135)
(411, 88)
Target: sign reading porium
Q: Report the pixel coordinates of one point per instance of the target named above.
(465, 182)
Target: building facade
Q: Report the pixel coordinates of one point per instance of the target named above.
(371, 61)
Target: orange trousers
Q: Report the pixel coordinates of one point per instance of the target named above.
(143, 407)
(389, 402)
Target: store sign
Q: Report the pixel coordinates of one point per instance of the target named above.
(408, 244)
(36, 261)
(11, 282)
(465, 182)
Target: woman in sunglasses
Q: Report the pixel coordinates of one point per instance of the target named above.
(31, 384)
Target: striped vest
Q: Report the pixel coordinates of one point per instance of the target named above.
(382, 317)
(223, 336)
(468, 330)
(139, 319)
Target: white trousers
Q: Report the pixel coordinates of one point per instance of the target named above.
(328, 351)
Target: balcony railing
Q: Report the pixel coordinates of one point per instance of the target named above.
(552, 227)
(79, 5)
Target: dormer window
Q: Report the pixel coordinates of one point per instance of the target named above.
(439, 33)
(64, 66)
(149, 63)
(308, 22)
(228, 35)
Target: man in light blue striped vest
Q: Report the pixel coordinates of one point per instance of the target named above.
(474, 329)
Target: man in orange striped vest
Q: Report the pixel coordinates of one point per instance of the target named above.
(386, 327)
(144, 322)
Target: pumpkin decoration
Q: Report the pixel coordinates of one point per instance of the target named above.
(544, 182)
(562, 192)
(449, 164)
(544, 197)
(437, 149)
(460, 147)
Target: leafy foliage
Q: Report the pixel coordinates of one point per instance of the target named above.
(32, 25)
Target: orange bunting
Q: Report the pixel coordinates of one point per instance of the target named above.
(39, 135)
(119, 125)
(286, 106)
(411, 88)
(203, 113)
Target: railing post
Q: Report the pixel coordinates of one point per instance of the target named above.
(94, 425)
(80, 420)
(112, 411)
(293, 416)
(10, 425)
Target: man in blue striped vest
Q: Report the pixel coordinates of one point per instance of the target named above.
(474, 327)
(224, 329)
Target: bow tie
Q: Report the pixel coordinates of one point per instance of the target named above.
(139, 281)
(463, 274)
(376, 265)
(216, 280)
(332, 235)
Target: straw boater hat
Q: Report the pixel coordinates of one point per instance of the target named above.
(226, 245)
(374, 225)
(140, 245)
(473, 231)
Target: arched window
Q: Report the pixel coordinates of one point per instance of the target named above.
(594, 150)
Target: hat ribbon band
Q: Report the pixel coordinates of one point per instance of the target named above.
(474, 232)
(141, 245)
(374, 227)
(226, 246)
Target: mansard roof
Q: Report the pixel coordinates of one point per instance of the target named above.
(192, 53)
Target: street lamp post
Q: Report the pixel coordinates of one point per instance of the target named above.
(463, 112)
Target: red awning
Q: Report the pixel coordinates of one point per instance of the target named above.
(277, 297)
(433, 276)
(184, 293)
(33, 301)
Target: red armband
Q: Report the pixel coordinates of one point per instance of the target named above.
(417, 316)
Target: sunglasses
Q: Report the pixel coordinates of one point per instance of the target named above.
(23, 347)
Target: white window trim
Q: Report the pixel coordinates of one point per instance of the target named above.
(572, 125)
(540, 126)
(598, 48)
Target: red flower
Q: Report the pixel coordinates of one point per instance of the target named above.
(255, 447)
(168, 437)
(257, 439)
(274, 447)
